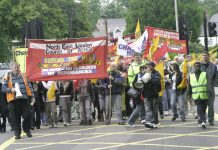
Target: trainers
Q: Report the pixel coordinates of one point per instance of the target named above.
(203, 125)
(173, 118)
(107, 122)
(166, 113)
(90, 122)
(211, 124)
(143, 121)
(149, 125)
(183, 119)
(17, 137)
(120, 123)
(29, 134)
(161, 116)
(155, 125)
(37, 127)
(81, 122)
(131, 125)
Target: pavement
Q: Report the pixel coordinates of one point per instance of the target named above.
(177, 135)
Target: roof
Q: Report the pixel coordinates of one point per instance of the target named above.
(112, 24)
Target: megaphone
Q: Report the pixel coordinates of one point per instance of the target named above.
(139, 84)
(146, 77)
(18, 92)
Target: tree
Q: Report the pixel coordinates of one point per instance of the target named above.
(115, 9)
(210, 6)
(15, 13)
(161, 13)
(94, 9)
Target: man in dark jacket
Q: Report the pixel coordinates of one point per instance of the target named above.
(113, 89)
(3, 110)
(210, 70)
(152, 87)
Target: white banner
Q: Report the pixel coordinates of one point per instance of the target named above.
(140, 44)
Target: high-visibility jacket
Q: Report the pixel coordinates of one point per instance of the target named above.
(199, 87)
(11, 96)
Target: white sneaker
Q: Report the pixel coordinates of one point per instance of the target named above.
(149, 125)
(143, 121)
(131, 125)
(166, 113)
(203, 125)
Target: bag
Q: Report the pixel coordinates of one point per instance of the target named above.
(133, 93)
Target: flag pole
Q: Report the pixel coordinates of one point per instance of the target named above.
(107, 42)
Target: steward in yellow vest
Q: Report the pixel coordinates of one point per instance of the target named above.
(197, 88)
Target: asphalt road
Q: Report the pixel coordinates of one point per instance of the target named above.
(169, 135)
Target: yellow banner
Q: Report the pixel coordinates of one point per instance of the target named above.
(160, 68)
(137, 31)
(51, 92)
(20, 57)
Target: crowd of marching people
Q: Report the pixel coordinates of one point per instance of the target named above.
(133, 91)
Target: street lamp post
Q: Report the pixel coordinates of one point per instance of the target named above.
(70, 13)
(176, 16)
(14, 46)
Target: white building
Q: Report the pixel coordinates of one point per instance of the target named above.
(116, 27)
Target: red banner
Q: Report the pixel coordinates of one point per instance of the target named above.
(168, 37)
(67, 59)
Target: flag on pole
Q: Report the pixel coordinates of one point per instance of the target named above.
(51, 92)
(160, 68)
(183, 84)
(154, 47)
(140, 44)
(137, 30)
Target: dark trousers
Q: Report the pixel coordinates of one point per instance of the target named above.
(36, 114)
(201, 110)
(160, 105)
(17, 109)
(3, 123)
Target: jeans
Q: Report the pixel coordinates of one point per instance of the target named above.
(166, 98)
(51, 112)
(180, 99)
(189, 100)
(66, 109)
(210, 105)
(115, 99)
(201, 110)
(85, 107)
(137, 111)
(102, 102)
(151, 108)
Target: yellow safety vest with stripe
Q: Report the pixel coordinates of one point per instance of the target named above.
(199, 87)
(11, 96)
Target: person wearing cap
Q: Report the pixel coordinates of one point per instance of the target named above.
(198, 90)
(210, 70)
(152, 87)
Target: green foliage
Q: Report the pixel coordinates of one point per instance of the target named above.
(210, 6)
(115, 9)
(94, 12)
(54, 13)
(195, 47)
(161, 13)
